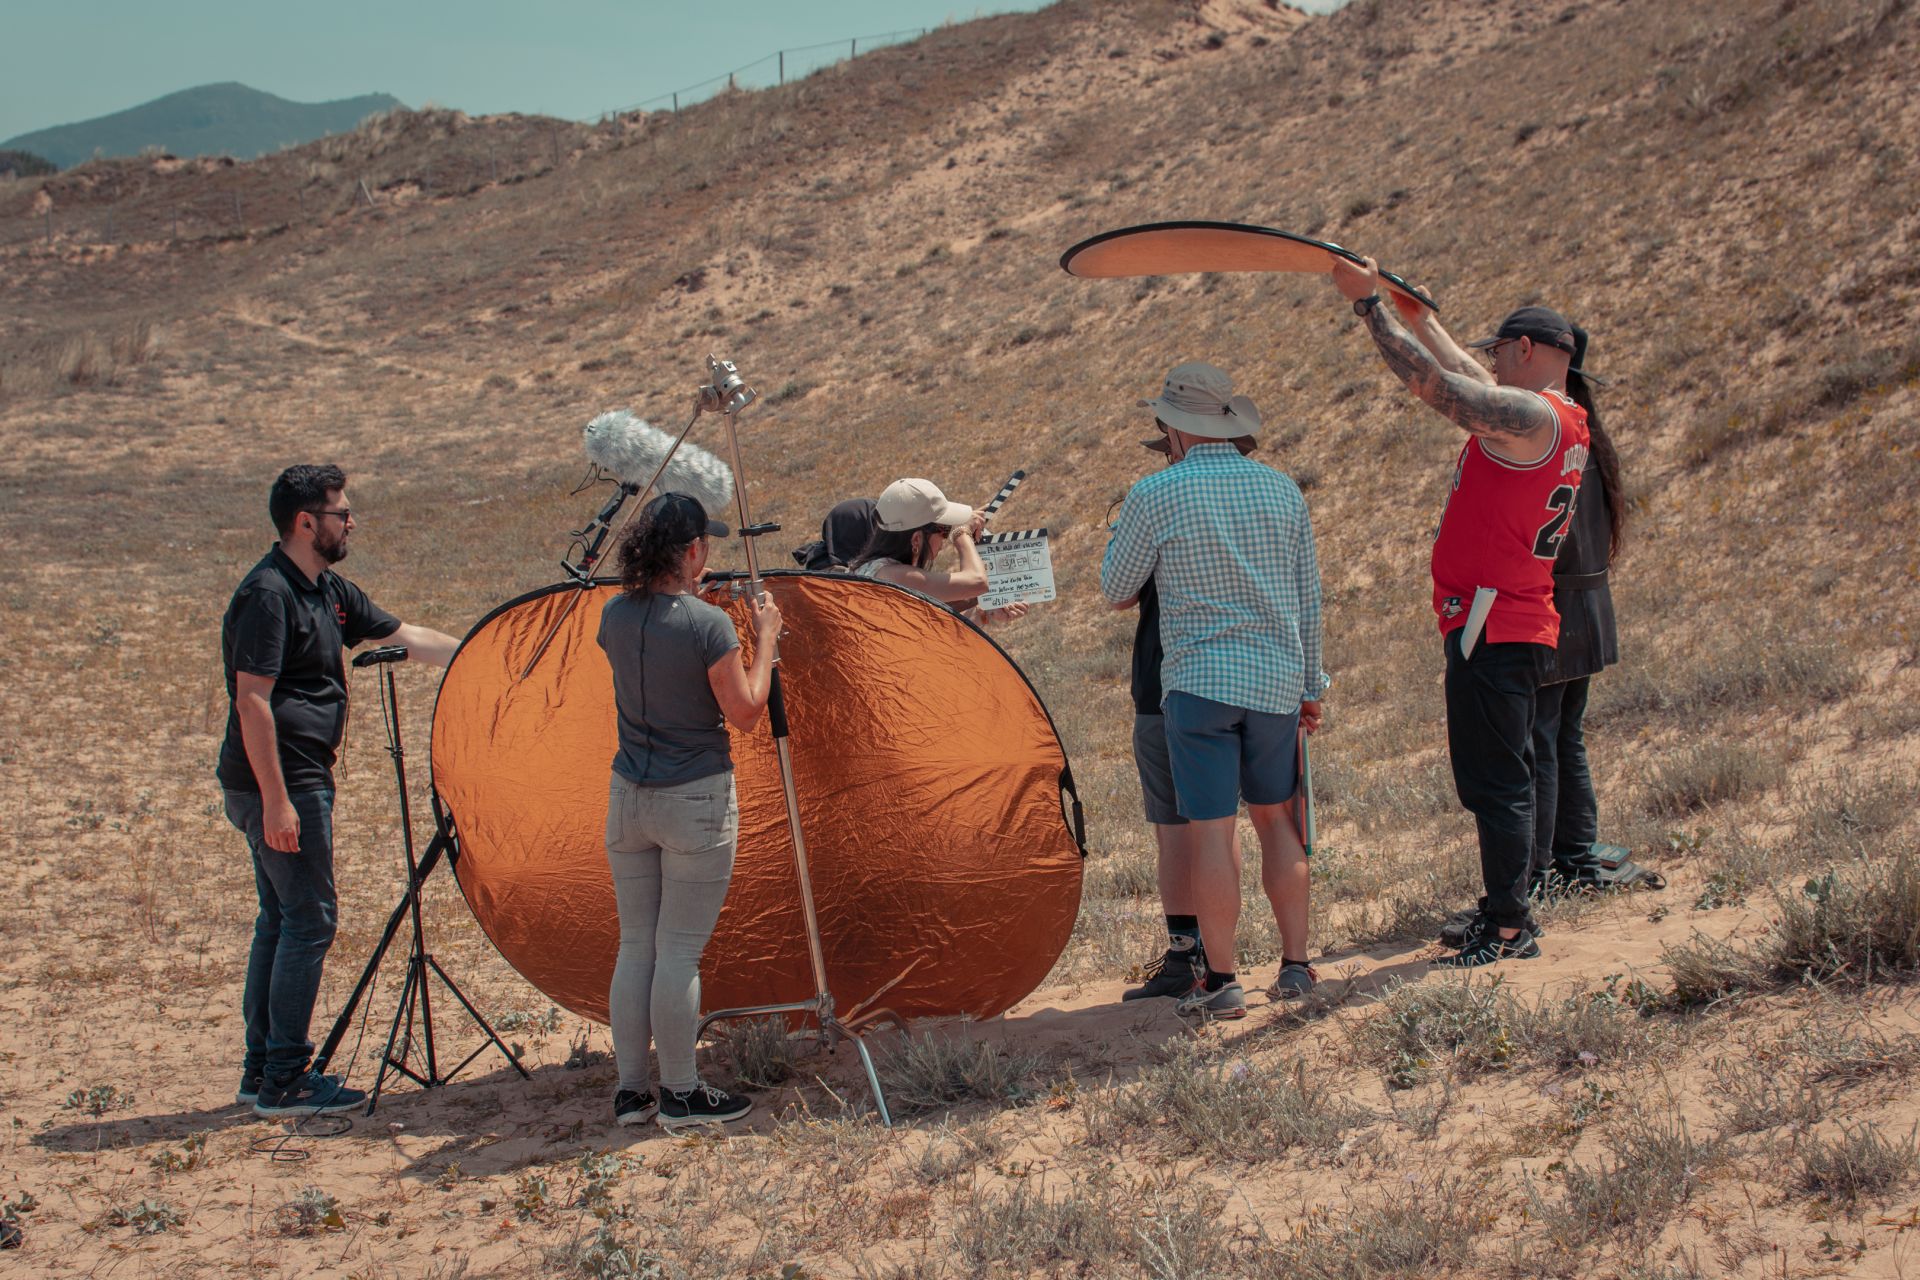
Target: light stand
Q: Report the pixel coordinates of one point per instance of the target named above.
(729, 394)
(416, 1001)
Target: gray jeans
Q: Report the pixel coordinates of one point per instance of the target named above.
(671, 851)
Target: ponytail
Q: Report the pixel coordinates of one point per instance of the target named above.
(1605, 458)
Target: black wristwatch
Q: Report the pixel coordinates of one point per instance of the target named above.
(1364, 306)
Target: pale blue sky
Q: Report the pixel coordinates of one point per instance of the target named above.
(72, 60)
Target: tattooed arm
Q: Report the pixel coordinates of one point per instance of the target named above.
(1516, 424)
(1425, 325)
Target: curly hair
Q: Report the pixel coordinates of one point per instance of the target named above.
(649, 552)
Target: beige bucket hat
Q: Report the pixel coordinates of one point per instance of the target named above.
(1198, 399)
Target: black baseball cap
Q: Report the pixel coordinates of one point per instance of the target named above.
(1542, 324)
(682, 518)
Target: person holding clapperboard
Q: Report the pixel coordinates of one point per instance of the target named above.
(1510, 507)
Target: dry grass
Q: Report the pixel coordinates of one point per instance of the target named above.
(1470, 1026)
(1859, 926)
(1205, 1103)
(1652, 1166)
(1858, 1162)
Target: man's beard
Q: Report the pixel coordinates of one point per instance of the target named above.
(332, 552)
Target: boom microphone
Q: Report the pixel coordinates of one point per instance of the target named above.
(631, 450)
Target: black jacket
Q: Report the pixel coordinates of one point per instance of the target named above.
(1589, 640)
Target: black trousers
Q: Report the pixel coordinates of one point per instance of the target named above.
(1490, 708)
(1566, 814)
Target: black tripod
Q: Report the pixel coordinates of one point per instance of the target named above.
(415, 997)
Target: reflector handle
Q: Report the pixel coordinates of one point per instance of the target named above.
(1079, 819)
(777, 706)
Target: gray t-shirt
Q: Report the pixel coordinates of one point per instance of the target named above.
(671, 727)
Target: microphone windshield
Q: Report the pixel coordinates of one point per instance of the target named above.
(631, 449)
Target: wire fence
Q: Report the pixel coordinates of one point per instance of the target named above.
(774, 69)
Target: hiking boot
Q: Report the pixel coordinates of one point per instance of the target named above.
(630, 1107)
(1230, 1001)
(1468, 921)
(702, 1104)
(1487, 947)
(1180, 970)
(1295, 980)
(249, 1092)
(307, 1094)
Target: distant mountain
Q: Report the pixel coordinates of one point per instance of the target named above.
(213, 119)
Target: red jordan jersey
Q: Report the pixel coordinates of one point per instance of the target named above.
(1503, 526)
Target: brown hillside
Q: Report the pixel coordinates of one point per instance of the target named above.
(1724, 192)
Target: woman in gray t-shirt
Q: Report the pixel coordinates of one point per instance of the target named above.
(672, 820)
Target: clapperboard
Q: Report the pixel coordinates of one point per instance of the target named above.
(1019, 568)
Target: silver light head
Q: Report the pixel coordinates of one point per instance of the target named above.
(729, 392)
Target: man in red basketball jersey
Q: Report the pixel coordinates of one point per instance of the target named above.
(1510, 507)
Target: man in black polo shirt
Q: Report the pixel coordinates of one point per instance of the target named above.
(282, 643)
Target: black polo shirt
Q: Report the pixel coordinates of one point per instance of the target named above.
(1147, 652)
(294, 630)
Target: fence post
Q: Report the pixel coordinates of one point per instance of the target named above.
(553, 135)
(853, 47)
(49, 226)
(493, 166)
(239, 222)
(676, 104)
(783, 66)
(730, 84)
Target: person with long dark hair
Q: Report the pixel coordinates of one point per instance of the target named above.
(1515, 488)
(913, 523)
(1566, 852)
(672, 817)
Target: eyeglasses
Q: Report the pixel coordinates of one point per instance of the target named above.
(345, 513)
(1492, 347)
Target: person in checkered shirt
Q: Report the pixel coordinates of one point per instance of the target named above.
(1228, 544)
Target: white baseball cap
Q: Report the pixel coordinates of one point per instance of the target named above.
(909, 504)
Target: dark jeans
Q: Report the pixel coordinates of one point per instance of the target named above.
(1566, 814)
(1490, 701)
(291, 934)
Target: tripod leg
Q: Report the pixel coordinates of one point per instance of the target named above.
(402, 1017)
(340, 1024)
(873, 1080)
(480, 1019)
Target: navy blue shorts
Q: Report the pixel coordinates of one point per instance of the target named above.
(1156, 772)
(1221, 755)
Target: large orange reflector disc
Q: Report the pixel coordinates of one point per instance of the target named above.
(1173, 248)
(929, 778)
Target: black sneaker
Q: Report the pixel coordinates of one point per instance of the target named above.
(1468, 921)
(307, 1094)
(250, 1086)
(702, 1104)
(1488, 947)
(1179, 971)
(633, 1108)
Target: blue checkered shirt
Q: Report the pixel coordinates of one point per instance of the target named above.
(1228, 543)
